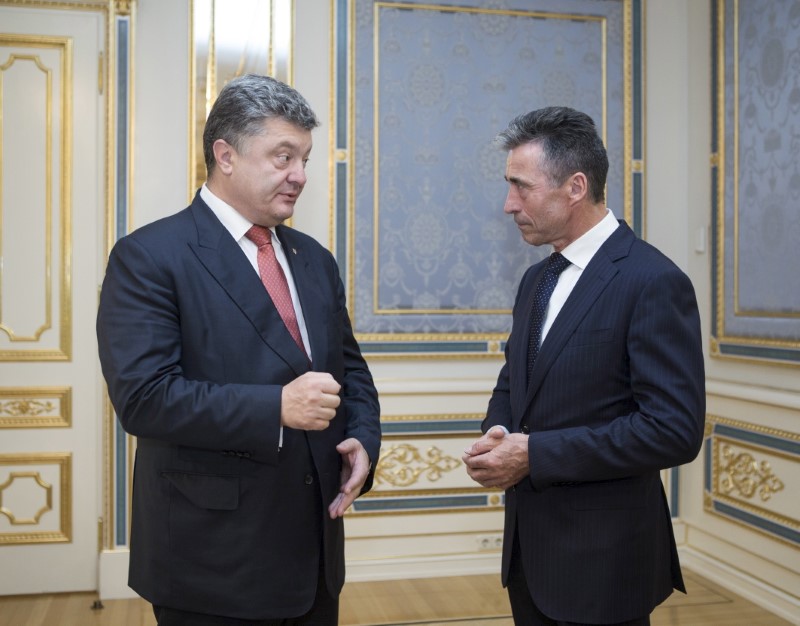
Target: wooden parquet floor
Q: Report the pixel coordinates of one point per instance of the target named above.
(455, 601)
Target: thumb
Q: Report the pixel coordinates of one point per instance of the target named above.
(348, 445)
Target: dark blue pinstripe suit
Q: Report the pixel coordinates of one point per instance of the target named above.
(617, 393)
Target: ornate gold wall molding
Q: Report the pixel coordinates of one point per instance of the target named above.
(35, 492)
(36, 102)
(403, 464)
(751, 472)
(35, 407)
(420, 469)
(743, 475)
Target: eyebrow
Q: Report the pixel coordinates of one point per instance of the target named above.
(290, 145)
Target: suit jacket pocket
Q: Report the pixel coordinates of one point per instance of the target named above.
(207, 491)
(625, 493)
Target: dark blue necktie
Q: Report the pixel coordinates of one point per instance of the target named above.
(555, 265)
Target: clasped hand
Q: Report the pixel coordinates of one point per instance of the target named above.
(498, 460)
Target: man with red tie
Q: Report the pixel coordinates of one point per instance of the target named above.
(227, 348)
(602, 387)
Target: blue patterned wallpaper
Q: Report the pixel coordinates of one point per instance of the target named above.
(433, 261)
(758, 287)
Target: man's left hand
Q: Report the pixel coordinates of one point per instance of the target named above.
(355, 469)
(502, 466)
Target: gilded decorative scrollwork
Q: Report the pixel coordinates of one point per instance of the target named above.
(743, 474)
(403, 464)
(25, 407)
(35, 407)
(743, 462)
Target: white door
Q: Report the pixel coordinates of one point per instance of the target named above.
(52, 147)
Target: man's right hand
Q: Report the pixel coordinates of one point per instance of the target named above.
(309, 402)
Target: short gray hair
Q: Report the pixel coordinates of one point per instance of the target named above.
(243, 105)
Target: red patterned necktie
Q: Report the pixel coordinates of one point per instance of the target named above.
(275, 280)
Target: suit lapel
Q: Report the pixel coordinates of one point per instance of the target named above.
(593, 281)
(225, 261)
(306, 282)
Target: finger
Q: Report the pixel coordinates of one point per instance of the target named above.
(347, 446)
(333, 508)
(353, 484)
(329, 385)
(344, 502)
(495, 432)
(330, 401)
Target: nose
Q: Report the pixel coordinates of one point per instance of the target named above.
(297, 175)
(511, 205)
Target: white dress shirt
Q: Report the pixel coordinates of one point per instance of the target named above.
(578, 253)
(238, 225)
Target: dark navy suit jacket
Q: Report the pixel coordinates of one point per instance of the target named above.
(617, 393)
(195, 356)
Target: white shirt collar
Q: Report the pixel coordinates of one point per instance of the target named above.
(233, 221)
(581, 251)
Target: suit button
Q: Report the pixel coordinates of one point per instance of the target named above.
(309, 479)
(525, 430)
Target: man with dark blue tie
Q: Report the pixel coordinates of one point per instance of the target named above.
(602, 387)
(228, 352)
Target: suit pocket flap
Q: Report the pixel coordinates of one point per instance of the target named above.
(207, 491)
(625, 493)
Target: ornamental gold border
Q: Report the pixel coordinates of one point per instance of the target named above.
(64, 461)
(719, 441)
(64, 104)
(755, 428)
(712, 496)
(421, 493)
(61, 419)
(494, 496)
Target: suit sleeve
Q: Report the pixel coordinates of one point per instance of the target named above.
(140, 345)
(665, 393)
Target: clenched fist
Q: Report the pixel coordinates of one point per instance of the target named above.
(309, 402)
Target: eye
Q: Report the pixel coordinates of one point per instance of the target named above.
(305, 162)
(283, 158)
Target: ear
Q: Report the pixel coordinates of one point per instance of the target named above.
(224, 156)
(578, 186)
